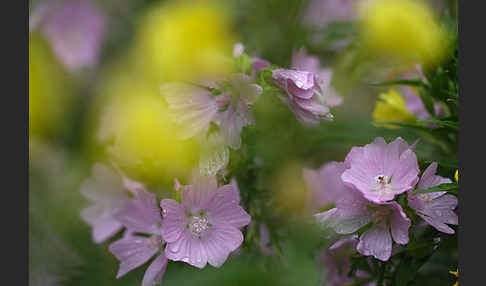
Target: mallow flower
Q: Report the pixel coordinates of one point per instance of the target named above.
(302, 61)
(225, 102)
(304, 95)
(108, 191)
(437, 208)
(191, 107)
(76, 30)
(239, 93)
(354, 211)
(205, 226)
(380, 170)
(141, 215)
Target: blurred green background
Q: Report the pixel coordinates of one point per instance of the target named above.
(66, 111)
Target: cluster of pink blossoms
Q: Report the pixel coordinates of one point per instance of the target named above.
(226, 103)
(363, 189)
(203, 227)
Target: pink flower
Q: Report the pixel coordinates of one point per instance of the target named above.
(191, 107)
(380, 170)
(141, 215)
(107, 191)
(239, 93)
(437, 208)
(204, 227)
(226, 103)
(304, 95)
(302, 61)
(353, 212)
(76, 30)
(195, 107)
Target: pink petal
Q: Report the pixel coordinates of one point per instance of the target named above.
(331, 97)
(302, 61)
(352, 213)
(104, 185)
(245, 87)
(429, 179)
(377, 242)
(175, 220)
(440, 212)
(219, 241)
(325, 184)
(199, 192)
(326, 218)
(132, 251)
(141, 214)
(312, 106)
(231, 123)
(353, 240)
(102, 221)
(105, 228)
(259, 64)
(400, 224)
(296, 83)
(406, 172)
(224, 209)
(191, 106)
(155, 271)
(187, 248)
(307, 118)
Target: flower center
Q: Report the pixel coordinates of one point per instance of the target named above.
(383, 184)
(381, 179)
(198, 224)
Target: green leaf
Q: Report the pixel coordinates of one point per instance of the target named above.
(428, 100)
(446, 162)
(447, 123)
(449, 187)
(408, 268)
(403, 124)
(411, 82)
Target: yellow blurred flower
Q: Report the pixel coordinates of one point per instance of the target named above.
(48, 94)
(406, 30)
(391, 107)
(289, 189)
(186, 40)
(143, 140)
(456, 176)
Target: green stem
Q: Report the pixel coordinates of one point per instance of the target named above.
(381, 274)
